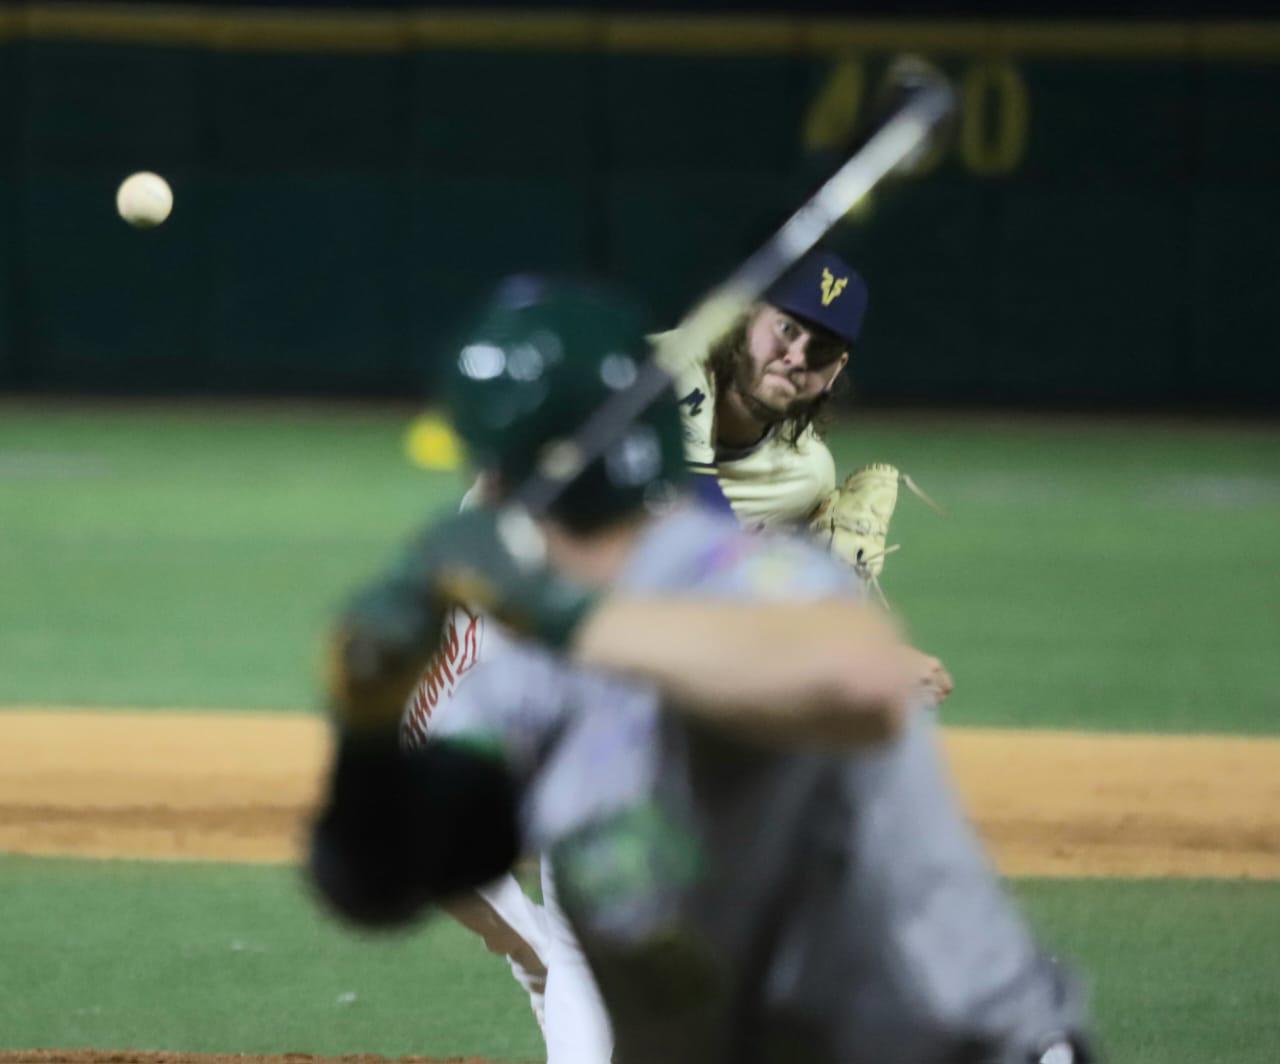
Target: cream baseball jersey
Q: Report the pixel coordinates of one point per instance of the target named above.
(770, 484)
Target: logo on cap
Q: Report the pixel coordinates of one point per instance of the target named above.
(831, 287)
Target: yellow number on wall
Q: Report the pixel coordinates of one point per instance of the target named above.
(995, 118)
(833, 115)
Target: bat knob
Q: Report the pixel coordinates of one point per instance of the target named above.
(914, 83)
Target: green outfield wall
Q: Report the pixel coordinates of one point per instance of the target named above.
(1105, 227)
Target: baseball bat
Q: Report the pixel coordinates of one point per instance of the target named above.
(923, 102)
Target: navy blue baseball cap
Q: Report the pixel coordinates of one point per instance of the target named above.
(825, 291)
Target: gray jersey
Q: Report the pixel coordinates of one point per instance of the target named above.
(741, 903)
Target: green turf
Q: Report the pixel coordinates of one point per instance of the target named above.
(191, 559)
(1179, 970)
(218, 958)
(207, 958)
(1090, 574)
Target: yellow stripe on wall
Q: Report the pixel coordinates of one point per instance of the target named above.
(354, 30)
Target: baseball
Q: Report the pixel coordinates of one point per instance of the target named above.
(144, 199)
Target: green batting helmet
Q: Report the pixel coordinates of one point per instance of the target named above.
(539, 359)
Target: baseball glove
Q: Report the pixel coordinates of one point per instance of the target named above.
(853, 521)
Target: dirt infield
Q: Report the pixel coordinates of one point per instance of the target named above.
(237, 787)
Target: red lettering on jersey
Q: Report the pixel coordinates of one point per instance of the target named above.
(458, 654)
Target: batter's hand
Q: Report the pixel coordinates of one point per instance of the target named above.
(495, 560)
(378, 649)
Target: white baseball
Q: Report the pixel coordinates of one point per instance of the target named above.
(144, 199)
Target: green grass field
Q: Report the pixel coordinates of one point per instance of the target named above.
(1091, 574)
(222, 959)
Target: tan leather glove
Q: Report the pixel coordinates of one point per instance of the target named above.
(853, 521)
